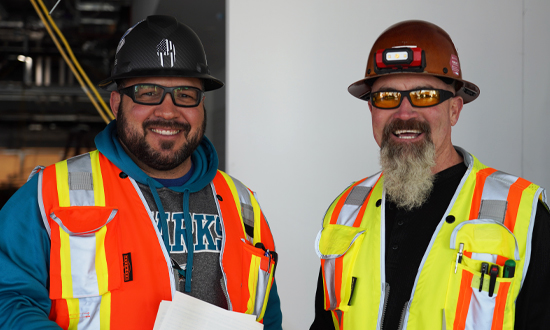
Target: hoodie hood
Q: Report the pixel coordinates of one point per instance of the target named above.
(204, 158)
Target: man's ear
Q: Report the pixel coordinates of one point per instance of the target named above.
(456, 107)
(115, 102)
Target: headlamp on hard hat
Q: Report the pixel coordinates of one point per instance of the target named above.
(402, 59)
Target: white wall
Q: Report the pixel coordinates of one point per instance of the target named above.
(297, 137)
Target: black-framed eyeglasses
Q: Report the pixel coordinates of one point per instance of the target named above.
(419, 98)
(151, 94)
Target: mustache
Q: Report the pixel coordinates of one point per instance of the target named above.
(411, 124)
(167, 124)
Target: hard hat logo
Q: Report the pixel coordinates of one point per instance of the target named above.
(166, 50)
(455, 64)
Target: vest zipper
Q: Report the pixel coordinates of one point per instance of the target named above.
(402, 319)
(386, 295)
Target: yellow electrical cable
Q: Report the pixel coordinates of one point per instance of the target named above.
(75, 61)
(70, 64)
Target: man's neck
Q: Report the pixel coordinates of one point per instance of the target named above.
(450, 157)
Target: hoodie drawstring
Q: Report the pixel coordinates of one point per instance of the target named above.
(162, 226)
(190, 243)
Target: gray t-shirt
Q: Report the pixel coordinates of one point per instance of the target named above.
(207, 276)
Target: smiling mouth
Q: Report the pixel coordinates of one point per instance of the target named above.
(165, 131)
(407, 133)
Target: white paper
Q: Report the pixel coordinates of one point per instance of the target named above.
(186, 312)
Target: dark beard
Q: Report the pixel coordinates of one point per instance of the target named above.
(408, 179)
(138, 146)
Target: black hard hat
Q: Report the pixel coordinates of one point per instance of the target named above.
(160, 46)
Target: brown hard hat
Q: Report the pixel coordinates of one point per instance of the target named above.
(414, 47)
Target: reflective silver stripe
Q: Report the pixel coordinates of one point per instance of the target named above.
(83, 270)
(329, 270)
(35, 170)
(83, 255)
(497, 185)
(351, 208)
(261, 289)
(358, 195)
(60, 223)
(81, 181)
(495, 195)
(491, 209)
(81, 190)
(339, 315)
(247, 212)
(89, 313)
(481, 310)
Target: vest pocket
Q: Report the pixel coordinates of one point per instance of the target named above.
(85, 259)
(259, 268)
(338, 247)
(477, 291)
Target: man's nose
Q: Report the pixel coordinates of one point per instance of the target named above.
(405, 110)
(167, 109)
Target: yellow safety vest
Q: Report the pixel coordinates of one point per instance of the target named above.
(492, 213)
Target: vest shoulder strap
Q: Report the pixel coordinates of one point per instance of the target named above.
(247, 206)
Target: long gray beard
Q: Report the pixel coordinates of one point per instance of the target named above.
(408, 178)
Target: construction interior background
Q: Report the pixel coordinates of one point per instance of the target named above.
(45, 116)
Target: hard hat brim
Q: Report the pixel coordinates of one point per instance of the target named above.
(210, 83)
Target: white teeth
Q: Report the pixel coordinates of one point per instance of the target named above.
(164, 131)
(414, 133)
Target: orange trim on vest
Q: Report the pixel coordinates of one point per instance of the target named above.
(151, 280)
(500, 304)
(60, 313)
(341, 202)
(514, 198)
(501, 260)
(227, 206)
(481, 176)
(464, 298)
(364, 206)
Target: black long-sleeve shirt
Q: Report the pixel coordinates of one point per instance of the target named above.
(407, 237)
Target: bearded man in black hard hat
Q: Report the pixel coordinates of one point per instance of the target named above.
(437, 240)
(99, 240)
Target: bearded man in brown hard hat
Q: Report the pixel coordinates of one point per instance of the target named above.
(436, 240)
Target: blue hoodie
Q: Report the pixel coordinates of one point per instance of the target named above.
(25, 244)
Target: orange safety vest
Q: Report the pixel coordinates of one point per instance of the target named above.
(109, 268)
(488, 221)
